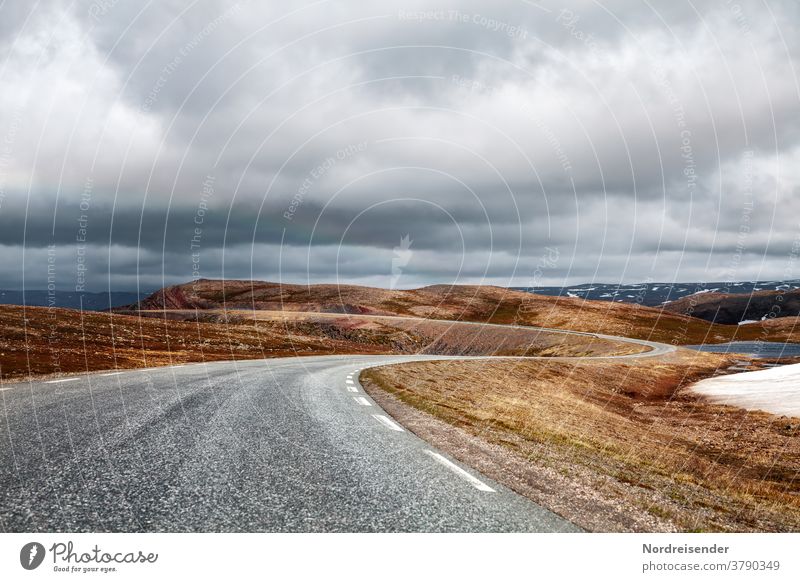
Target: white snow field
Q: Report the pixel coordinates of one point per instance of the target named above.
(775, 390)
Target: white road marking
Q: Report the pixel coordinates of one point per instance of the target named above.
(112, 374)
(472, 480)
(62, 380)
(362, 401)
(349, 382)
(349, 376)
(388, 422)
(4, 389)
(352, 389)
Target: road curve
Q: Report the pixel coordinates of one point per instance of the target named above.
(656, 348)
(289, 444)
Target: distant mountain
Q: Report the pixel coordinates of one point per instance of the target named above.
(69, 299)
(656, 294)
(737, 308)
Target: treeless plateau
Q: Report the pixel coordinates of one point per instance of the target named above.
(613, 445)
(485, 304)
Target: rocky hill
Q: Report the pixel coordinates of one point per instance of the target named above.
(732, 308)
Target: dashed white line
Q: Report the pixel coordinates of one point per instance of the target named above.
(472, 480)
(112, 374)
(352, 389)
(362, 401)
(348, 382)
(388, 422)
(4, 389)
(62, 380)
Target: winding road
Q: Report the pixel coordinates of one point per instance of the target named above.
(280, 445)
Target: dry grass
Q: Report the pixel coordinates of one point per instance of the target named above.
(422, 335)
(656, 450)
(38, 341)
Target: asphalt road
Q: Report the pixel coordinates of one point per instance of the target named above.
(288, 444)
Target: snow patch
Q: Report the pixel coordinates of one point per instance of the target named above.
(776, 390)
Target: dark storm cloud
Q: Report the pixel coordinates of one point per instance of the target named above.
(641, 141)
(158, 229)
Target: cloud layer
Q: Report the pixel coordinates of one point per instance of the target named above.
(146, 144)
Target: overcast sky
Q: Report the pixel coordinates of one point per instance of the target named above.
(398, 143)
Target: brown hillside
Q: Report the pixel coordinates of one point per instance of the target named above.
(37, 341)
(467, 303)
